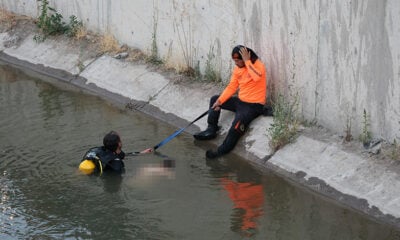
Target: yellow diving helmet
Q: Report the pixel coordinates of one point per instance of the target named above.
(87, 166)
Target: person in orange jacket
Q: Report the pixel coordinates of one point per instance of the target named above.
(250, 81)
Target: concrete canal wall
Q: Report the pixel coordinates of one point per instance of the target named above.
(340, 57)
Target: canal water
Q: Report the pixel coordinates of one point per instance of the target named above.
(46, 127)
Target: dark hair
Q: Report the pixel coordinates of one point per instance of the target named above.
(111, 141)
(236, 53)
(168, 163)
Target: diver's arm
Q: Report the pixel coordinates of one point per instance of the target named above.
(148, 150)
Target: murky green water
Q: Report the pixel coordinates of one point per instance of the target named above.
(44, 132)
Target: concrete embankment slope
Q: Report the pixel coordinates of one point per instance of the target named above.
(319, 162)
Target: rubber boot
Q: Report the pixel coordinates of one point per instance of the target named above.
(208, 134)
(212, 154)
(229, 143)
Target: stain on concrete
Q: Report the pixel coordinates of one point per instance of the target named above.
(378, 74)
(255, 27)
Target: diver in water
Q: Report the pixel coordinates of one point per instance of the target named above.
(107, 157)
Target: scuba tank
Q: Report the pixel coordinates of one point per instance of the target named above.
(87, 166)
(95, 160)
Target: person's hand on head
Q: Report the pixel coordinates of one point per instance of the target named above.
(245, 53)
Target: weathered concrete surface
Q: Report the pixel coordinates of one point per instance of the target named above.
(47, 54)
(347, 172)
(318, 161)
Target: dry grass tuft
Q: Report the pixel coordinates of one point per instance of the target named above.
(10, 20)
(135, 55)
(178, 68)
(7, 18)
(108, 44)
(81, 33)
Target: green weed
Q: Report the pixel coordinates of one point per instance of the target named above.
(154, 58)
(52, 23)
(73, 27)
(210, 73)
(284, 127)
(80, 66)
(365, 136)
(395, 151)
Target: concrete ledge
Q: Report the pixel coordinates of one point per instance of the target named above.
(346, 172)
(132, 81)
(49, 53)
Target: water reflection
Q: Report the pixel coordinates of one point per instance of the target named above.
(111, 182)
(246, 192)
(50, 101)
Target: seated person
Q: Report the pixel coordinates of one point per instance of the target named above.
(249, 81)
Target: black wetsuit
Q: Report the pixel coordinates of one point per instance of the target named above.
(109, 160)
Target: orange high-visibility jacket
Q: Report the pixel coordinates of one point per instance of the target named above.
(251, 81)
